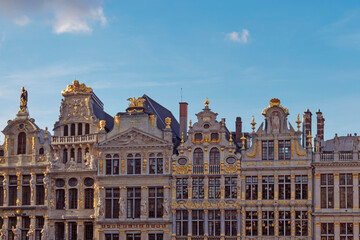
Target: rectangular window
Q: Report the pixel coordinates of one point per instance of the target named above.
(268, 223)
(89, 231)
(133, 202)
(251, 188)
(301, 187)
(214, 187)
(60, 199)
(26, 189)
(39, 224)
(284, 223)
(40, 190)
(59, 231)
(230, 223)
(111, 236)
(198, 188)
(1, 190)
(268, 187)
(73, 198)
(284, 149)
(112, 196)
(133, 236)
(301, 223)
(156, 236)
(156, 164)
(89, 198)
(346, 190)
(11, 224)
(134, 164)
(12, 190)
(25, 226)
(181, 188)
(267, 150)
(214, 222)
(327, 231)
(251, 223)
(156, 200)
(198, 222)
(284, 187)
(230, 187)
(346, 231)
(72, 231)
(327, 190)
(182, 223)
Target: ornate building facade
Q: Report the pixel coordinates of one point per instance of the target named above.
(143, 175)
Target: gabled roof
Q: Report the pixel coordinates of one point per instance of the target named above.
(101, 114)
(346, 144)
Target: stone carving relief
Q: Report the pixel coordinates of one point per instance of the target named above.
(75, 109)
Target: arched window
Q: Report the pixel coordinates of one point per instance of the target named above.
(198, 157)
(60, 199)
(87, 128)
(22, 143)
(108, 164)
(79, 129)
(214, 156)
(73, 196)
(79, 160)
(72, 129)
(66, 130)
(72, 154)
(41, 151)
(65, 156)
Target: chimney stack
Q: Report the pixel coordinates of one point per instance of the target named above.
(306, 126)
(238, 129)
(320, 125)
(183, 119)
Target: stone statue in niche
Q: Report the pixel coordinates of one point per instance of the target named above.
(275, 122)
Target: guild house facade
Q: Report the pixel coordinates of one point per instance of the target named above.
(144, 175)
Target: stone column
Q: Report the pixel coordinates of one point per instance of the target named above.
(337, 230)
(206, 223)
(276, 187)
(238, 223)
(66, 232)
(6, 224)
(122, 203)
(317, 191)
(222, 187)
(167, 202)
(292, 221)
(259, 212)
(259, 187)
(292, 187)
(80, 230)
(32, 227)
(19, 189)
(189, 223)
(243, 222)
(5, 186)
(206, 187)
(276, 221)
(144, 203)
(336, 192)
(122, 235)
(356, 191)
(143, 234)
(317, 231)
(222, 226)
(356, 230)
(309, 221)
(32, 189)
(173, 234)
(310, 187)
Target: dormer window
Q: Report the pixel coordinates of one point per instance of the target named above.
(214, 137)
(22, 143)
(198, 136)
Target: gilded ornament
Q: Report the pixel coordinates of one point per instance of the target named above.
(230, 168)
(253, 123)
(243, 141)
(102, 125)
(167, 122)
(101, 165)
(122, 165)
(33, 142)
(298, 151)
(251, 155)
(144, 165)
(152, 121)
(190, 124)
(76, 88)
(181, 169)
(309, 137)
(275, 148)
(117, 122)
(23, 100)
(230, 140)
(275, 103)
(298, 122)
(6, 144)
(136, 104)
(206, 102)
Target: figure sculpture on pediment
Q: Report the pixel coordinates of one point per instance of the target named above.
(122, 206)
(100, 205)
(166, 206)
(275, 122)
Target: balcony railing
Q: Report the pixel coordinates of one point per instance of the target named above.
(214, 169)
(90, 138)
(326, 156)
(198, 169)
(345, 156)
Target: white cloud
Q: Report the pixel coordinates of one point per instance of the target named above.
(65, 16)
(242, 37)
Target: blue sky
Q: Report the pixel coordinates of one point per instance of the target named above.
(239, 54)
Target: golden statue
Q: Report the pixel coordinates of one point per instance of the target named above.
(75, 88)
(139, 102)
(167, 122)
(207, 102)
(102, 124)
(23, 100)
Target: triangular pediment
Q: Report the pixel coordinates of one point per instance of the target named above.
(132, 137)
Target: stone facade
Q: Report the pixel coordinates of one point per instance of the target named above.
(143, 175)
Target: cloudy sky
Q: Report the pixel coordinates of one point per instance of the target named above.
(239, 54)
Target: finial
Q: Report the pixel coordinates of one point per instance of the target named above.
(190, 123)
(182, 139)
(207, 102)
(167, 122)
(243, 141)
(223, 122)
(253, 123)
(309, 137)
(298, 122)
(46, 132)
(230, 139)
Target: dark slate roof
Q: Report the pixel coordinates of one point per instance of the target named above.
(42, 137)
(161, 112)
(101, 114)
(346, 144)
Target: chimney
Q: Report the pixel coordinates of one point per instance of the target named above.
(183, 119)
(320, 125)
(238, 129)
(306, 126)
